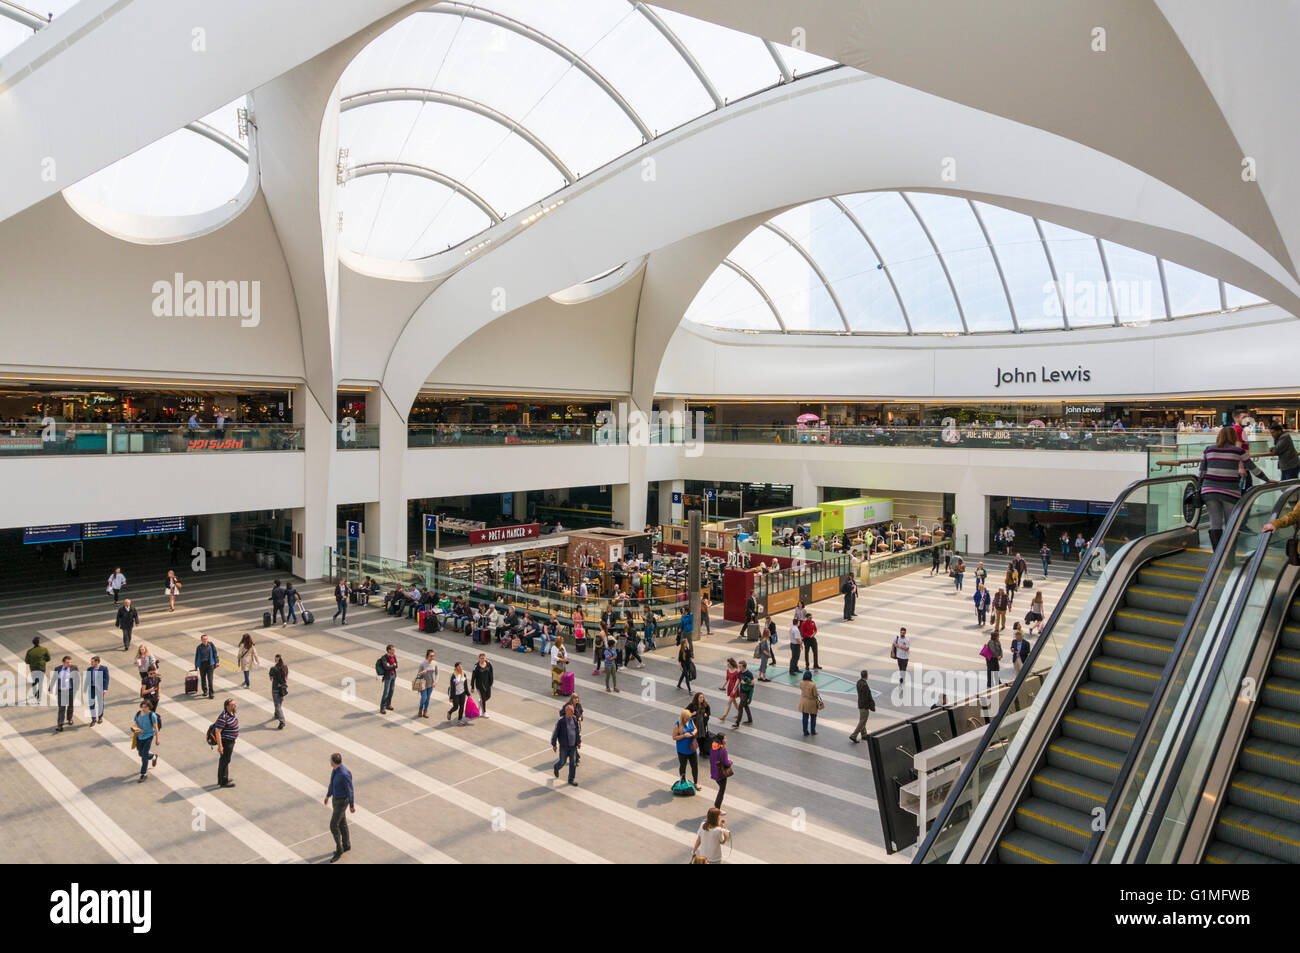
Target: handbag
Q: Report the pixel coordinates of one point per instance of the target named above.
(1192, 500)
(417, 683)
(726, 771)
(1293, 548)
(820, 703)
(699, 859)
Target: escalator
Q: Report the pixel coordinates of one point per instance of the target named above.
(1054, 820)
(1259, 820)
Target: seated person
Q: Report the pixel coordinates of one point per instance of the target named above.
(412, 601)
(531, 631)
(371, 586)
(394, 600)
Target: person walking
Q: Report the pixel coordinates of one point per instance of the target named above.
(146, 729)
(721, 767)
(97, 689)
(458, 694)
(1045, 554)
(151, 688)
(900, 650)
(1019, 649)
(866, 705)
(559, 662)
(1000, 606)
(808, 630)
(341, 601)
(37, 657)
(992, 653)
(292, 602)
(1288, 461)
(687, 748)
(386, 669)
(144, 661)
(849, 588)
(958, 571)
(709, 839)
(227, 733)
(935, 556)
(982, 600)
(1012, 581)
(481, 682)
(279, 688)
(248, 659)
(426, 680)
(63, 682)
(172, 589)
(205, 660)
(1065, 544)
(611, 665)
(1221, 471)
(341, 790)
(981, 574)
(127, 620)
(810, 702)
(1035, 613)
(276, 598)
(70, 562)
(706, 627)
(731, 686)
(566, 739)
(1080, 544)
(116, 583)
(686, 659)
(745, 685)
(763, 652)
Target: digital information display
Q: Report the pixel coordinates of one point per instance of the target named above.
(108, 530)
(51, 534)
(161, 524)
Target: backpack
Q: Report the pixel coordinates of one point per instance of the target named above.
(380, 669)
(212, 734)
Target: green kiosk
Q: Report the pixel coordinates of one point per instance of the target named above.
(840, 516)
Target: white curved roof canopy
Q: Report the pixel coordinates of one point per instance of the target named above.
(475, 111)
(927, 263)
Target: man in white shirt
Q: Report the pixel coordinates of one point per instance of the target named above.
(221, 422)
(116, 581)
(902, 651)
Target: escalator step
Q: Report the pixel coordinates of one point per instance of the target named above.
(1021, 847)
(1139, 648)
(1276, 724)
(1170, 578)
(1163, 625)
(1220, 853)
(1271, 758)
(1291, 633)
(1100, 729)
(1069, 789)
(1054, 822)
(1112, 700)
(1082, 757)
(1259, 833)
(1281, 693)
(1265, 795)
(1125, 673)
(1158, 598)
(1286, 664)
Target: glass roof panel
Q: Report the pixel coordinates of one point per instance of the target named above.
(799, 295)
(416, 217)
(736, 63)
(13, 34)
(1190, 292)
(1239, 297)
(910, 258)
(409, 55)
(802, 62)
(727, 300)
(183, 173)
(1024, 265)
(957, 233)
(1079, 271)
(1135, 283)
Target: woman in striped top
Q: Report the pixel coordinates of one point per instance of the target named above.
(1222, 467)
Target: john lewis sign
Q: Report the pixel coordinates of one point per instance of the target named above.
(1042, 375)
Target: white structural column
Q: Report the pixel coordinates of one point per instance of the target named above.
(670, 512)
(386, 536)
(629, 499)
(214, 534)
(314, 522)
(971, 511)
(806, 491)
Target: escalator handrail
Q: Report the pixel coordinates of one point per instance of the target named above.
(1207, 690)
(1098, 539)
(1227, 542)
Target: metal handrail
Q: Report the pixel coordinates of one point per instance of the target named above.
(1199, 605)
(1008, 700)
(1203, 699)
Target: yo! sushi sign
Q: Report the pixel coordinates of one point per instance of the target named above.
(504, 534)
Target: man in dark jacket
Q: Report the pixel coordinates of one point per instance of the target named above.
(481, 681)
(1288, 461)
(205, 660)
(127, 619)
(866, 705)
(850, 590)
(277, 602)
(1001, 603)
(751, 615)
(567, 739)
(344, 795)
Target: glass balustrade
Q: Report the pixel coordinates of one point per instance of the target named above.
(103, 439)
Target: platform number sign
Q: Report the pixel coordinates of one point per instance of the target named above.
(354, 529)
(710, 493)
(677, 497)
(430, 521)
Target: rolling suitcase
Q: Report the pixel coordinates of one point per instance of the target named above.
(1027, 584)
(307, 617)
(192, 682)
(266, 619)
(566, 683)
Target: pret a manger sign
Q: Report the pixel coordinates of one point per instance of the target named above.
(504, 534)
